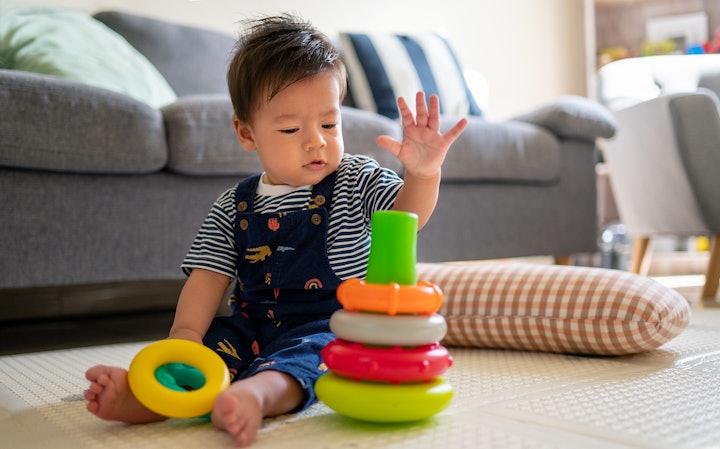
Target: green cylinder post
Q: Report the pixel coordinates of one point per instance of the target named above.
(393, 248)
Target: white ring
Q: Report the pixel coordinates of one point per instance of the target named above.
(396, 330)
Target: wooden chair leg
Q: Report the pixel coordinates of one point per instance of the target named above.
(563, 260)
(640, 246)
(712, 273)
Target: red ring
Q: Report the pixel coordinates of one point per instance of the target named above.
(386, 364)
(424, 298)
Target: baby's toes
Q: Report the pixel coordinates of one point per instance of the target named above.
(92, 406)
(225, 414)
(94, 389)
(89, 395)
(94, 372)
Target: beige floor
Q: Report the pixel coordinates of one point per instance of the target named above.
(662, 399)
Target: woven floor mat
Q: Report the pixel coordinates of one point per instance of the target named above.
(668, 398)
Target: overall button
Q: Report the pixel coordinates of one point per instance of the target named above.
(319, 200)
(316, 219)
(243, 224)
(242, 206)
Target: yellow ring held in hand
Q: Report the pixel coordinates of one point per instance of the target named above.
(165, 401)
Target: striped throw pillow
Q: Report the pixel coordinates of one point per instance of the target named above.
(550, 308)
(382, 67)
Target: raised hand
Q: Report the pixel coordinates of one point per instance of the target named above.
(423, 148)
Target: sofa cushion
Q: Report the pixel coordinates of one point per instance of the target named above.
(360, 131)
(535, 307)
(201, 142)
(201, 139)
(74, 46)
(501, 152)
(50, 123)
(193, 60)
(384, 66)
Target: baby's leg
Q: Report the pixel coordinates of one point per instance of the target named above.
(110, 398)
(241, 408)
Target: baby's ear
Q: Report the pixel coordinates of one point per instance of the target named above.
(244, 135)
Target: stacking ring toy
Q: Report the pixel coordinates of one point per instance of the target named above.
(394, 364)
(424, 298)
(399, 330)
(377, 402)
(169, 402)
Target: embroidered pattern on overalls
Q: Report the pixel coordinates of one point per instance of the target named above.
(284, 282)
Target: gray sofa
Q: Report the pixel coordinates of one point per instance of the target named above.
(102, 194)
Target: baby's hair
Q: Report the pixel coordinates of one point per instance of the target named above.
(273, 53)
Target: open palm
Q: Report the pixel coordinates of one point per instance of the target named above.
(423, 148)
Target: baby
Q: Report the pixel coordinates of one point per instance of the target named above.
(289, 235)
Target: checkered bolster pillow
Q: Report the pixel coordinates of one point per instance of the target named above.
(550, 308)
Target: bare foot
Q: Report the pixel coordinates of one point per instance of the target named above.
(109, 397)
(240, 408)
(238, 411)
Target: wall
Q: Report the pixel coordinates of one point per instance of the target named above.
(530, 51)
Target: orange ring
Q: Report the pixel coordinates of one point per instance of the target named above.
(424, 298)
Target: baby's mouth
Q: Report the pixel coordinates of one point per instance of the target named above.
(315, 165)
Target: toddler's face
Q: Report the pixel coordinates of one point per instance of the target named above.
(298, 133)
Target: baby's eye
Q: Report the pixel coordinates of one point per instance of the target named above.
(289, 131)
(330, 125)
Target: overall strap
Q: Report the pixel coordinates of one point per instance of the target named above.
(322, 192)
(245, 193)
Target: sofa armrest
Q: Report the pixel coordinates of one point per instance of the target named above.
(571, 116)
(53, 124)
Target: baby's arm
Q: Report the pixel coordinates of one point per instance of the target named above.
(422, 153)
(198, 303)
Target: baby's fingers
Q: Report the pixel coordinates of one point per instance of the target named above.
(421, 110)
(454, 132)
(433, 119)
(405, 113)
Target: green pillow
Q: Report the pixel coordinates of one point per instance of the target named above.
(74, 46)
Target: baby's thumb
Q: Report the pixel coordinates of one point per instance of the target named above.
(389, 144)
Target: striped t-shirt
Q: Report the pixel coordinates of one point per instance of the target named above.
(361, 188)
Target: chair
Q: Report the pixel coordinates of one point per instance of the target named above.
(664, 160)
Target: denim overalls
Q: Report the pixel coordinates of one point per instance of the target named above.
(285, 291)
